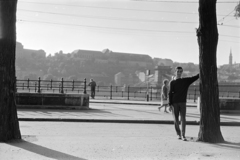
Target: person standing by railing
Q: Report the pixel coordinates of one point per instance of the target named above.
(92, 84)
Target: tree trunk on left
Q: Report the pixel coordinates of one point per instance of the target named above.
(9, 126)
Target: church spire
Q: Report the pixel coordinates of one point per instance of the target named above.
(230, 57)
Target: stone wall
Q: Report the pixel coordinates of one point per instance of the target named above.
(76, 101)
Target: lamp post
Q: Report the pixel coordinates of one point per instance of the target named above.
(147, 74)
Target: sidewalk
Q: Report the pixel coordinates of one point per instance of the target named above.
(117, 139)
(120, 111)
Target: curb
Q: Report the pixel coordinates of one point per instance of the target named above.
(135, 103)
(77, 107)
(129, 103)
(118, 121)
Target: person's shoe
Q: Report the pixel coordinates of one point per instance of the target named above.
(166, 111)
(184, 138)
(179, 137)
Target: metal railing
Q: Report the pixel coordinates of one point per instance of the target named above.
(50, 86)
(114, 92)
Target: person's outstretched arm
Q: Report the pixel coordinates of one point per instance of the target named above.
(193, 78)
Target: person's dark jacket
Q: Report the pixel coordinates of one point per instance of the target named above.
(179, 88)
(92, 84)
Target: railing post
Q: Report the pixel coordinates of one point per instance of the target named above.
(195, 94)
(151, 94)
(128, 91)
(73, 85)
(156, 93)
(39, 85)
(23, 86)
(111, 92)
(62, 91)
(147, 94)
(51, 83)
(28, 83)
(35, 87)
(85, 86)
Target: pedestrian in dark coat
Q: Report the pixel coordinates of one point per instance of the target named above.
(92, 84)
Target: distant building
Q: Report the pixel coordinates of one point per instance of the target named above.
(130, 59)
(118, 78)
(26, 56)
(162, 62)
(106, 56)
(128, 79)
(28, 53)
(161, 73)
(87, 54)
(141, 76)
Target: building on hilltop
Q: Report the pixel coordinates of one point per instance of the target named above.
(24, 59)
(107, 55)
(86, 54)
(162, 62)
(131, 59)
(21, 52)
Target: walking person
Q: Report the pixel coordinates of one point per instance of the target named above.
(177, 99)
(92, 84)
(164, 96)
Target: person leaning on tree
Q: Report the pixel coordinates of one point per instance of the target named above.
(178, 98)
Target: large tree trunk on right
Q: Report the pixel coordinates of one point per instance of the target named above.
(207, 39)
(9, 126)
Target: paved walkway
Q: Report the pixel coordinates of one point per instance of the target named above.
(65, 140)
(120, 111)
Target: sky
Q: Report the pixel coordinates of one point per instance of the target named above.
(158, 28)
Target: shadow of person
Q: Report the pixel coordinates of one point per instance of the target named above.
(47, 152)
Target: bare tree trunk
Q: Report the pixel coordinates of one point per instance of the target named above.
(208, 39)
(9, 126)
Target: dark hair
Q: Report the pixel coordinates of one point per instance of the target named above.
(165, 81)
(179, 67)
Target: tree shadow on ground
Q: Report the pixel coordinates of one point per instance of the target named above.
(43, 151)
(228, 145)
(225, 144)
